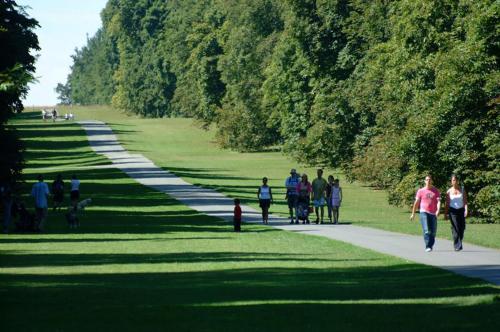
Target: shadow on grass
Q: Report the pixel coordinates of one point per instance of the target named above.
(239, 299)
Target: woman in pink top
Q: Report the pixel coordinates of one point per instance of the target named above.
(456, 209)
(428, 200)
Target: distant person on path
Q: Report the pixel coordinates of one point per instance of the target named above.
(328, 194)
(456, 210)
(58, 192)
(265, 197)
(6, 198)
(40, 192)
(336, 200)
(304, 190)
(319, 199)
(54, 115)
(428, 201)
(75, 190)
(237, 216)
(291, 194)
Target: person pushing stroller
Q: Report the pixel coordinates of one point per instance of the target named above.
(304, 190)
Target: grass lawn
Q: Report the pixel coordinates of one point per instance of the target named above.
(181, 147)
(141, 261)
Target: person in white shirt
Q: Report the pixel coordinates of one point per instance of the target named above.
(75, 190)
(265, 197)
(40, 191)
(456, 210)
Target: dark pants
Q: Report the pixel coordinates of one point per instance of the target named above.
(7, 214)
(457, 220)
(237, 225)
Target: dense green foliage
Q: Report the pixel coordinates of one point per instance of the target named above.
(385, 90)
(16, 68)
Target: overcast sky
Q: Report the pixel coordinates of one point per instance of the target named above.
(64, 26)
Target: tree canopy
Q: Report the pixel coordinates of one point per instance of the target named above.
(16, 71)
(384, 90)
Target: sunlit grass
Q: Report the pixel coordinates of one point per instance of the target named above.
(141, 261)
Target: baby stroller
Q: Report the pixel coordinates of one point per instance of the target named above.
(303, 210)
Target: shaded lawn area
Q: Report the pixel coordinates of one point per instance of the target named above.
(178, 145)
(141, 261)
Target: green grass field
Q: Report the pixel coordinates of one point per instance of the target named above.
(180, 146)
(141, 261)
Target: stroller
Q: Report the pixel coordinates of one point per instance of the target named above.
(303, 210)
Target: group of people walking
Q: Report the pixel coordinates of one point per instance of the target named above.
(428, 202)
(41, 194)
(299, 195)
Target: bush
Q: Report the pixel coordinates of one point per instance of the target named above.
(487, 201)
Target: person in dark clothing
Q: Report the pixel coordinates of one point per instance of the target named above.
(456, 210)
(58, 192)
(237, 216)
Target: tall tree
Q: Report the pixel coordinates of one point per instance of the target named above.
(17, 66)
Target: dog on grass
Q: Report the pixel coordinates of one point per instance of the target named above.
(74, 210)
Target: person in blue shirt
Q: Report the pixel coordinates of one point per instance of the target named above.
(40, 192)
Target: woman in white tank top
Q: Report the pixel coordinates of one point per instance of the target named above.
(456, 210)
(265, 197)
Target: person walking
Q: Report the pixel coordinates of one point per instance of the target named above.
(7, 201)
(40, 192)
(328, 194)
(428, 201)
(265, 196)
(75, 190)
(336, 200)
(291, 194)
(304, 190)
(319, 199)
(58, 192)
(456, 210)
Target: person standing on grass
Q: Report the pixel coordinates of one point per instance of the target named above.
(428, 201)
(7, 201)
(75, 190)
(336, 200)
(291, 194)
(328, 194)
(319, 200)
(265, 196)
(40, 191)
(237, 216)
(58, 192)
(456, 210)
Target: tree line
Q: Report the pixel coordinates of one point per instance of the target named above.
(18, 41)
(385, 90)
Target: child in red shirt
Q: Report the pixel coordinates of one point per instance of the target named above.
(237, 215)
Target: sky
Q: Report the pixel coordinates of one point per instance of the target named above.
(64, 26)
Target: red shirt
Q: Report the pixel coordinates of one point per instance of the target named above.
(237, 212)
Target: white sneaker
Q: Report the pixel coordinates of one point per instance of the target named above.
(428, 249)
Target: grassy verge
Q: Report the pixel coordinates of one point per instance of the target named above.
(179, 146)
(141, 261)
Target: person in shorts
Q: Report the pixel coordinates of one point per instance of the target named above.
(291, 194)
(58, 192)
(265, 196)
(319, 196)
(336, 200)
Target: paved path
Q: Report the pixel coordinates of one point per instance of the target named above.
(474, 261)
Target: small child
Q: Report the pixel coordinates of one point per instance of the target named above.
(237, 216)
